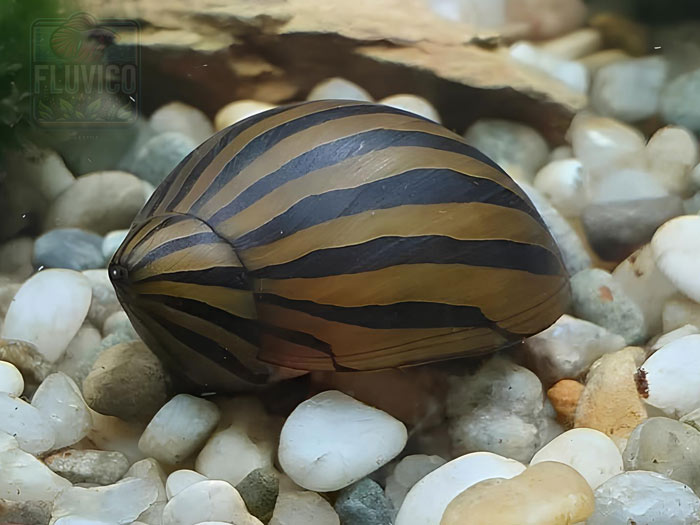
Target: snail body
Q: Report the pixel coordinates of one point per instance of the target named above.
(335, 235)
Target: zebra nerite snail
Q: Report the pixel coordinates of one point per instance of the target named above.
(335, 235)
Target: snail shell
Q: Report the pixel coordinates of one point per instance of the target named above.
(335, 235)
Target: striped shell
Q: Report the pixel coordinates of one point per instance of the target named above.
(335, 235)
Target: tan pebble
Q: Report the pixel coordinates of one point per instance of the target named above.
(610, 401)
(547, 493)
(237, 111)
(564, 396)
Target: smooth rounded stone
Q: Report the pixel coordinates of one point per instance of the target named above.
(332, 440)
(572, 249)
(16, 257)
(616, 229)
(79, 520)
(677, 98)
(150, 470)
(259, 491)
(679, 311)
(627, 184)
(663, 339)
(629, 90)
(111, 242)
(246, 433)
(179, 480)
(547, 493)
(112, 433)
(497, 409)
(340, 89)
(104, 299)
(414, 104)
(31, 364)
(568, 348)
(11, 380)
(25, 478)
(644, 498)
(575, 44)
(590, 452)
(643, 282)
(426, 502)
(119, 503)
(209, 500)
(695, 177)
(603, 143)
(81, 353)
(88, 466)
(25, 512)
(32, 428)
(237, 111)
(69, 248)
(100, 202)
(562, 152)
(363, 503)
(610, 401)
(183, 118)
(672, 153)
(540, 19)
(179, 428)
(598, 298)
(48, 310)
(44, 169)
(676, 248)
(59, 399)
(669, 377)
(668, 447)
(571, 73)
(302, 508)
(692, 204)
(518, 149)
(118, 321)
(159, 155)
(407, 472)
(565, 185)
(127, 381)
(564, 396)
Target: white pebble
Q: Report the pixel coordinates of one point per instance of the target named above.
(676, 248)
(177, 116)
(590, 452)
(414, 104)
(79, 520)
(407, 472)
(672, 153)
(209, 500)
(333, 440)
(602, 143)
(112, 433)
(120, 503)
(340, 89)
(48, 311)
(573, 74)
(32, 429)
(629, 90)
(237, 111)
(60, 400)
(181, 479)
(303, 508)
(565, 184)
(179, 428)
(426, 502)
(679, 311)
(677, 333)
(627, 184)
(671, 375)
(11, 380)
(25, 478)
(112, 241)
(575, 44)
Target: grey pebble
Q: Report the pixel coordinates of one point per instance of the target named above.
(259, 490)
(127, 381)
(363, 503)
(159, 155)
(69, 248)
(616, 229)
(25, 512)
(598, 298)
(88, 466)
(666, 446)
(678, 100)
